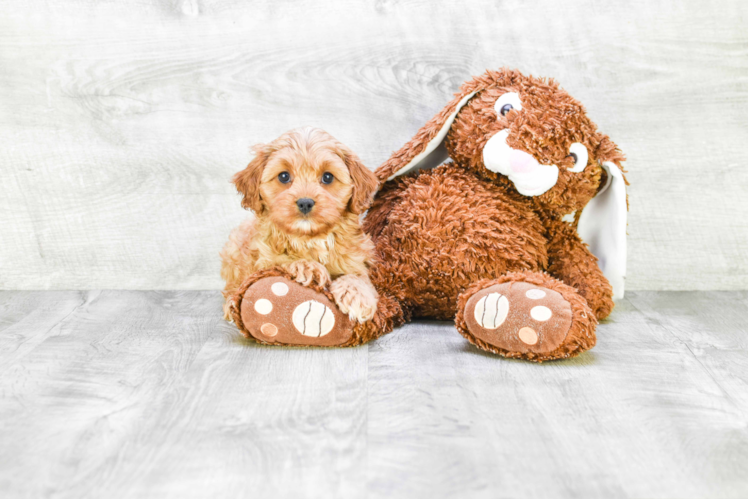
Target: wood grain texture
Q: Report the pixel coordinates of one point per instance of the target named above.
(152, 394)
(647, 413)
(121, 123)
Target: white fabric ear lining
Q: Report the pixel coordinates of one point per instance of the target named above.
(602, 225)
(434, 155)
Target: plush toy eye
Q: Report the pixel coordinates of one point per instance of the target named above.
(327, 178)
(579, 153)
(506, 103)
(284, 177)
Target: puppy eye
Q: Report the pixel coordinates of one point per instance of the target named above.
(578, 153)
(327, 178)
(506, 103)
(284, 177)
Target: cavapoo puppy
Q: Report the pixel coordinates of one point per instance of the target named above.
(307, 191)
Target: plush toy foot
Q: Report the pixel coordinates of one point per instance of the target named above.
(277, 310)
(526, 315)
(272, 308)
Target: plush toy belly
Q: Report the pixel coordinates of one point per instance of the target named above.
(448, 229)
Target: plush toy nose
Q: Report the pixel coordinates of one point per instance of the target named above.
(305, 205)
(521, 162)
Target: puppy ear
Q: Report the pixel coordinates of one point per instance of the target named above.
(364, 183)
(602, 223)
(247, 181)
(426, 149)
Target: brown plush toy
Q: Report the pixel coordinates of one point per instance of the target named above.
(519, 238)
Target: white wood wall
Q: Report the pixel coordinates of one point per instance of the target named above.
(122, 122)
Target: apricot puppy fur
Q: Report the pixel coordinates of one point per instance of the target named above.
(307, 191)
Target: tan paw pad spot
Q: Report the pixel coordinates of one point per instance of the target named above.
(313, 319)
(535, 294)
(528, 335)
(263, 306)
(541, 313)
(269, 329)
(279, 289)
(491, 310)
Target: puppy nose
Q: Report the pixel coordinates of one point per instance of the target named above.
(305, 205)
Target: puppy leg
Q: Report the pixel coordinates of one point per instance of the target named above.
(237, 261)
(355, 296)
(307, 272)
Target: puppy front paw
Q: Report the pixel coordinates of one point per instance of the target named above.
(308, 271)
(227, 310)
(229, 303)
(355, 297)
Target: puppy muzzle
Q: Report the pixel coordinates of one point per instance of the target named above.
(305, 205)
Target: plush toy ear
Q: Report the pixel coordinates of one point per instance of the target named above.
(426, 149)
(602, 225)
(247, 181)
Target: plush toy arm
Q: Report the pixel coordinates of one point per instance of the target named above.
(376, 217)
(570, 260)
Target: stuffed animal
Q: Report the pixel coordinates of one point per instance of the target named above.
(521, 238)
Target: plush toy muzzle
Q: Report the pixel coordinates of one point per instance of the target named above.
(526, 173)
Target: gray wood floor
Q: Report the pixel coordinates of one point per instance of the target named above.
(152, 394)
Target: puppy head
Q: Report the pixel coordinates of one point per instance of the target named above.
(305, 181)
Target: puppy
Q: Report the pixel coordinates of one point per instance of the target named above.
(307, 191)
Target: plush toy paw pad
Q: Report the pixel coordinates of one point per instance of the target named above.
(491, 310)
(313, 319)
(519, 317)
(277, 310)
